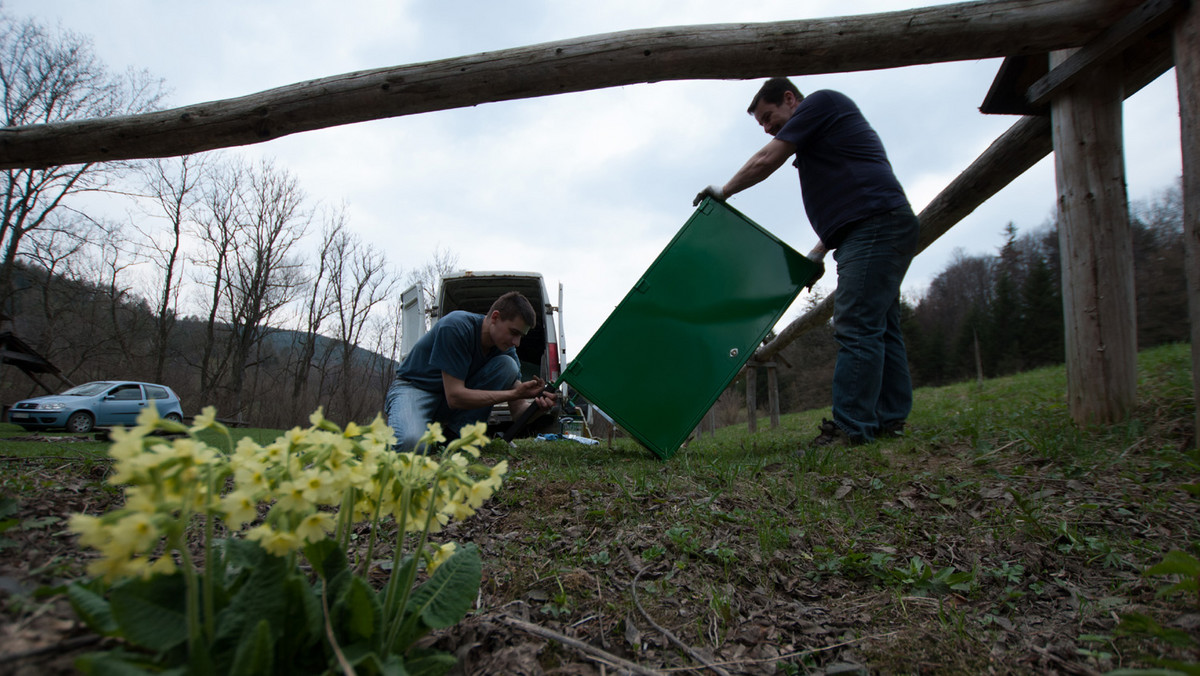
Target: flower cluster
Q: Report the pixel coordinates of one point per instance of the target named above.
(306, 486)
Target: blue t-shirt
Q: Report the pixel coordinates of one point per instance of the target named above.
(453, 346)
(845, 175)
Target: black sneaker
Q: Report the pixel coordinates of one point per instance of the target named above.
(892, 430)
(832, 435)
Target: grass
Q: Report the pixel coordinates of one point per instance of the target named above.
(995, 519)
(995, 536)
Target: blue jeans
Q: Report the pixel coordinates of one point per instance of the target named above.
(409, 408)
(871, 383)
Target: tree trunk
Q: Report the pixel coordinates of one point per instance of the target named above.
(1099, 306)
(963, 31)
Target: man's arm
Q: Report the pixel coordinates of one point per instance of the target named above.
(460, 397)
(760, 165)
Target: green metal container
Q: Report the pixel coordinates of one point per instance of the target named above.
(685, 330)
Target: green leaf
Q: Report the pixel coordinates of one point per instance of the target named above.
(303, 621)
(363, 606)
(261, 597)
(432, 663)
(8, 507)
(447, 595)
(326, 557)
(255, 652)
(1176, 563)
(364, 660)
(151, 613)
(120, 663)
(92, 608)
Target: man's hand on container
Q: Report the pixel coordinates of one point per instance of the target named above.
(713, 191)
(817, 255)
(535, 389)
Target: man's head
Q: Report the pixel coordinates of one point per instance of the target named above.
(509, 319)
(774, 104)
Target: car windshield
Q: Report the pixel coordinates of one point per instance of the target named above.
(87, 390)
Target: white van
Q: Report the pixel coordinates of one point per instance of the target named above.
(542, 351)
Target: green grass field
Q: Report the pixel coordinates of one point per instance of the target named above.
(996, 536)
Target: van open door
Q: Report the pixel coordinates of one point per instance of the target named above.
(412, 318)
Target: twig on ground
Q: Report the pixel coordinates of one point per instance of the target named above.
(596, 653)
(60, 647)
(671, 637)
(798, 653)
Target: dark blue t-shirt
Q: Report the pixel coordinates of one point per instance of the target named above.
(453, 346)
(845, 175)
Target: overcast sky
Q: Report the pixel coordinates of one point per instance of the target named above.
(585, 188)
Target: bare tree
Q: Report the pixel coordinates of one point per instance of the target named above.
(174, 188)
(265, 273)
(318, 306)
(223, 208)
(429, 276)
(360, 282)
(46, 78)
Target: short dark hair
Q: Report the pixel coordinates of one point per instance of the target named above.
(772, 92)
(512, 304)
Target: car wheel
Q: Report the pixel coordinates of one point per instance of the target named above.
(173, 417)
(81, 422)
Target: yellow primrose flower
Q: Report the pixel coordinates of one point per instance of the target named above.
(433, 435)
(91, 530)
(314, 527)
(148, 418)
(251, 478)
(114, 567)
(142, 499)
(165, 565)
(319, 421)
(240, 508)
(440, 555)
(126, 443)
(206, 419)
(274, 542)
(293, 497)
(352, 430)
(135, 533)
(458, 509)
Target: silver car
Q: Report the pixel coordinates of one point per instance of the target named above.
(105, 403)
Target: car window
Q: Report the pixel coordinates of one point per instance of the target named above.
(126, 393)
(156, 392)
(87, 390)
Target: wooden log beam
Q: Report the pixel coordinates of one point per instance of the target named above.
(1009, 156)
(962, 31)
(1096, 243)
(1186, 48)
(1127, 31)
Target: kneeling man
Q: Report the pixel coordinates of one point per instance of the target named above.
(465, 365)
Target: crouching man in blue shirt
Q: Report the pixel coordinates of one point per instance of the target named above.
(465, 365)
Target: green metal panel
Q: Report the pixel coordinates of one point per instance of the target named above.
(685, 330)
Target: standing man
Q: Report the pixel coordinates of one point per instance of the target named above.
(465, 365)
(860, 212)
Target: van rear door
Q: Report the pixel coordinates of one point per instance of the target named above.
(412, 318)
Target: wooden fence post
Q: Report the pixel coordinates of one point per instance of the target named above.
(1186, 48)
(773, 393)
(752, 398)
(1099, 308)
